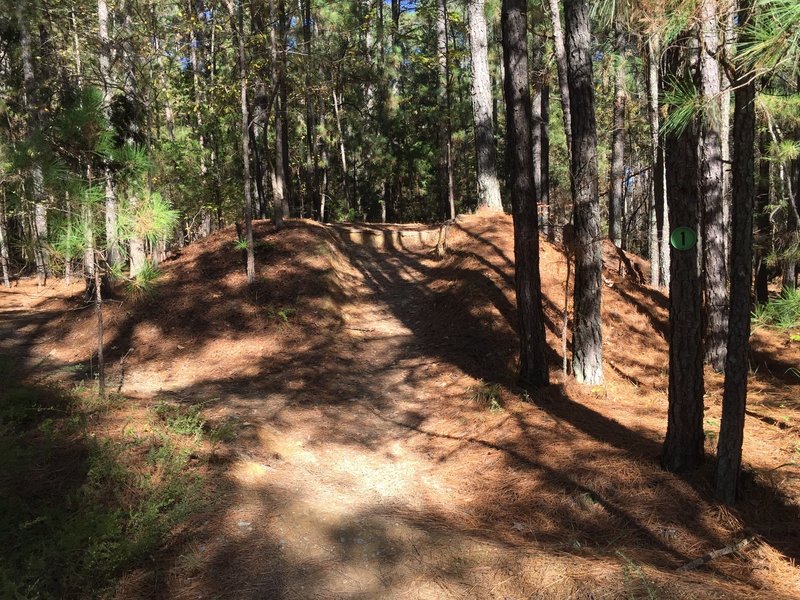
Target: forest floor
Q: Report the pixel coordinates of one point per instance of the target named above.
(376, 446)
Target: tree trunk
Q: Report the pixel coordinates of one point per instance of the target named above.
(310, 167)
(39, 220)
(539, 76)
(533, 370)
(544, 166)
(587, 344)
(734, 398)
(762, 224)
(616, 199)
(729, 39)
(485, 151)
(98, 309)
(342, 153)
(446, 192)
(715, 268)
(656, 212)
(683, 446)
(112, 241)
(4, 243)
(280, 201)
(561, 65)
(245, 135)
(136, 248)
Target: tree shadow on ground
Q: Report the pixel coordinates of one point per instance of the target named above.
(557, 478)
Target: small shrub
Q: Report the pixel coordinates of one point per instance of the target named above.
(181, 420)
(782, 312)
(487, 395)
(144, 283)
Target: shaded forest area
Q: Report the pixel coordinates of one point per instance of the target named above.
(384, 298)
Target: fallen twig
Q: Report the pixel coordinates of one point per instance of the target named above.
(699, 562)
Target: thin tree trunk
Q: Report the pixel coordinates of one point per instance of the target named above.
(587, 345)
(446, 192)
(762, 224)
(683, 446)
(544, 167)
(310, 174)
(729, 39)
(245, 135)
(98, 308)
(279, 201)
(39, 220)
(485, 151)
(734, 397)
(537, 70)
(561, 66)
(112, 241)
(533, 370)
(616, 201)
(656, 212)
(342, 154)
(4, 259)
(715, 268)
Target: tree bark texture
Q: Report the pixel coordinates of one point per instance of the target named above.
(446, 192)
(762, 224)
(39, 219)
(715, 269)
(112, 251)
(734, 397)
(616, 196)
(485, 151)
(683, 446)
(238, 15)
(561, 66)
(533, 371)
(656, 212)
(587, 341)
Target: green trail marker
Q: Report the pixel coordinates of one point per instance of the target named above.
(683, 238)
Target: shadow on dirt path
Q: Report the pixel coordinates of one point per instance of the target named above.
(364, 467)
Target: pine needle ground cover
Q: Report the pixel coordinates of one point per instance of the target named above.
(350, 452)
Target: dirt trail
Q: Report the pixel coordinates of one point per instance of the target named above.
(364, 469)
(337, 491)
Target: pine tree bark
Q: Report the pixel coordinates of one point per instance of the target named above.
(587, 345)
(734, 397)
(112, 251)
(485, 151)
(616, 199)
(541, 135)
(762, 224)
(533, 371)
(4, 258)
(39, 218)
(446, 192)
(715, 268)
(683, 446)
(656, 212)
(280, 200)
(560, 52)
(237, 14)
(310, 166)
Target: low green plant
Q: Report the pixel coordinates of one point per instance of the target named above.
(782, 312)
(487, 395)
(144, 284)
(241, 244)
(78, 509)
(183, 420)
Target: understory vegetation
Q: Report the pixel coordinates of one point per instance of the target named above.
(88, 488)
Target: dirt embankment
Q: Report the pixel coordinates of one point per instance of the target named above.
(383, 450)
